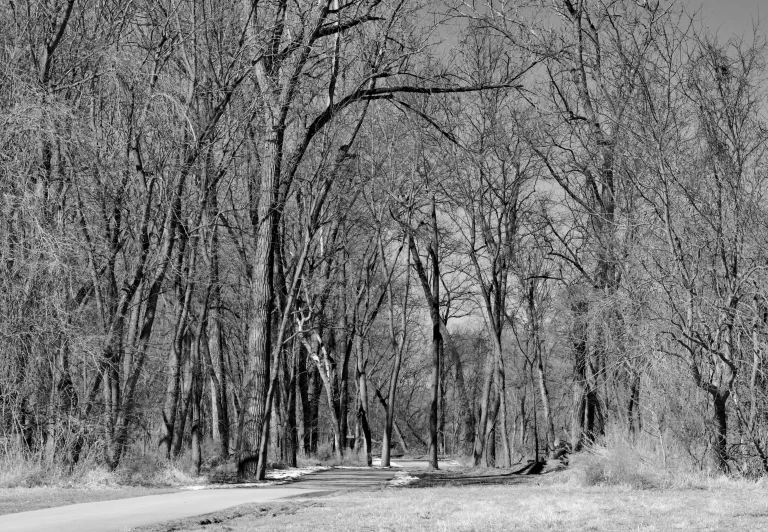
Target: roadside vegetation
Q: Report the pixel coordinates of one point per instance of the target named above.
(528, 507)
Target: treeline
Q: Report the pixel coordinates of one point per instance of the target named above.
(283, 227)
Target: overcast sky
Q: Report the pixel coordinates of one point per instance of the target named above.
(731, 17)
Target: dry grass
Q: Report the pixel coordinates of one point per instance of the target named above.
(326, 458)
(532, 507)
(18, 470)
(29, 484)
(642, 465)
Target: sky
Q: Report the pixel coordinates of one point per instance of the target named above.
(731, 17)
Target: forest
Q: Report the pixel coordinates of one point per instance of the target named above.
(249, 231)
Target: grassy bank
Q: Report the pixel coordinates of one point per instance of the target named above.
(561, 507)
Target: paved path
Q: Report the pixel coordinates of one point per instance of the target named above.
(346, 478)
(114, 516)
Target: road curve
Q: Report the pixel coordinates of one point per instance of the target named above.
(122, 514)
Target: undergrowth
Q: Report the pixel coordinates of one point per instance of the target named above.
(644, 464)
(141, 467)
(19, 470)
(326, 457)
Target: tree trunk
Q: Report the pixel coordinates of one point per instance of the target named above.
(322, 359)
(502, 388)
(634, 416)
(178, 344)
(720, 445)
(312, 420)
(197, 392)
(362, 413)
(441, 404)
(485, 404)
(214, 345)
(466, 415)
(390, 407)
(395, 426)
(490, 429)
(290, 434)
(252, 418)
(579, 343)
(309, 393)
(185, 398)
(344, 344)
(436, 341)
(465, 411)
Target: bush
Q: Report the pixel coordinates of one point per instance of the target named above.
(646, 463)
(617, 466)
(326, 457)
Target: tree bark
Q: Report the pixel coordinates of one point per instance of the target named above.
(720, 445)
(436, 341)
(252, 415)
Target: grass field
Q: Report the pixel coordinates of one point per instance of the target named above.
(527, 506)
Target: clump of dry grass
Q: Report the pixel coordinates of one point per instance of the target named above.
(645, 463)
(18, 470)
(326, 457)
(21, 470)
(615, 465)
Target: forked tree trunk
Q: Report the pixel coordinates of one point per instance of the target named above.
(325, 370)
(485, 405)
(490, 429)
(397, 343)
(506, 459)
(395, 427)
(466, 414)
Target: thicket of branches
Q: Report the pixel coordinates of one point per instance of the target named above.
(373, 224)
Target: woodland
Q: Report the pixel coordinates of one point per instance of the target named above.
(250, 231)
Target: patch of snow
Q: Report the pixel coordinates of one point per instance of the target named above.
(364, 468)
(265, 484)
(377, 462)
(292, 473)
(275, 477)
